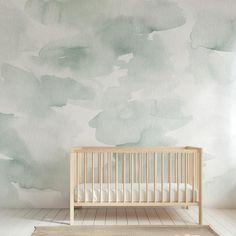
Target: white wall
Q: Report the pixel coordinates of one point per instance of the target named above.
(114, 72)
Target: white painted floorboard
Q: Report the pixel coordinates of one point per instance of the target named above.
(21, 222)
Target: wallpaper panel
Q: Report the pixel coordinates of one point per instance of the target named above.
(114, 72)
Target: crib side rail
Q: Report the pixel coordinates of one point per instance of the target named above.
(132, 170)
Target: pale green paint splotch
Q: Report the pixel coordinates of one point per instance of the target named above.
(92, 14)
(214, 32)
(131, 122)
(36, 96)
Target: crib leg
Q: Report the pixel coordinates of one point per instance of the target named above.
(72, 187)
(200, 215)
(72, 212)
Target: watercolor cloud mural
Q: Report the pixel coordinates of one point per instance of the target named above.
(75, 72)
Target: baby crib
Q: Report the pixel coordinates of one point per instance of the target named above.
(135, 176)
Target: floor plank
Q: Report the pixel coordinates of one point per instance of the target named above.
(121, 218)
(153, 216)
(27, 225)
(15, 220)
(79, 216)
(90, 216)
(39, 218)
(164, 217)
(174, 216)
(111, 216)
(49, 218)
(100, 216)
(61, 215)
(231, 214)
(220, 219)
(142, 216)
(131, 216)
(185, 216)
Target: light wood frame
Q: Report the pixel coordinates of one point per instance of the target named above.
(176, 165)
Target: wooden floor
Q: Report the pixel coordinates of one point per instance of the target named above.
(21, 222)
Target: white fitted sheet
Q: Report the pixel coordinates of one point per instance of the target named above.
(79, 191)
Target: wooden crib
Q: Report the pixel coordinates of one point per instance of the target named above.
(135, 176)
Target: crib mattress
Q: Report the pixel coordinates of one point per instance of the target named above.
(95, 196)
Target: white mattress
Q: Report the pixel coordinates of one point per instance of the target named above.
(96, 194)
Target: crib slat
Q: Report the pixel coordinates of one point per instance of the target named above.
(147, 177)
(77, 175)
(132, 174)
(200, 187)
(197, 171)
(162, 177)
(189, 168)
(182, 167)
(136, 168)
(178, 170)
(108, 175)
(72, 185)
(124, 176)
(85, 175)
(104, 159)
(112, 174)
(106, 168)
(193, 177)
(170, 177)
(175, 155)
(130, 167)
(139, 176)
(92, 177)
(80, 156)
(186, 178)
(141, 167)
(101, 174)
(116, 177)
(197, 179)
(155, 177)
